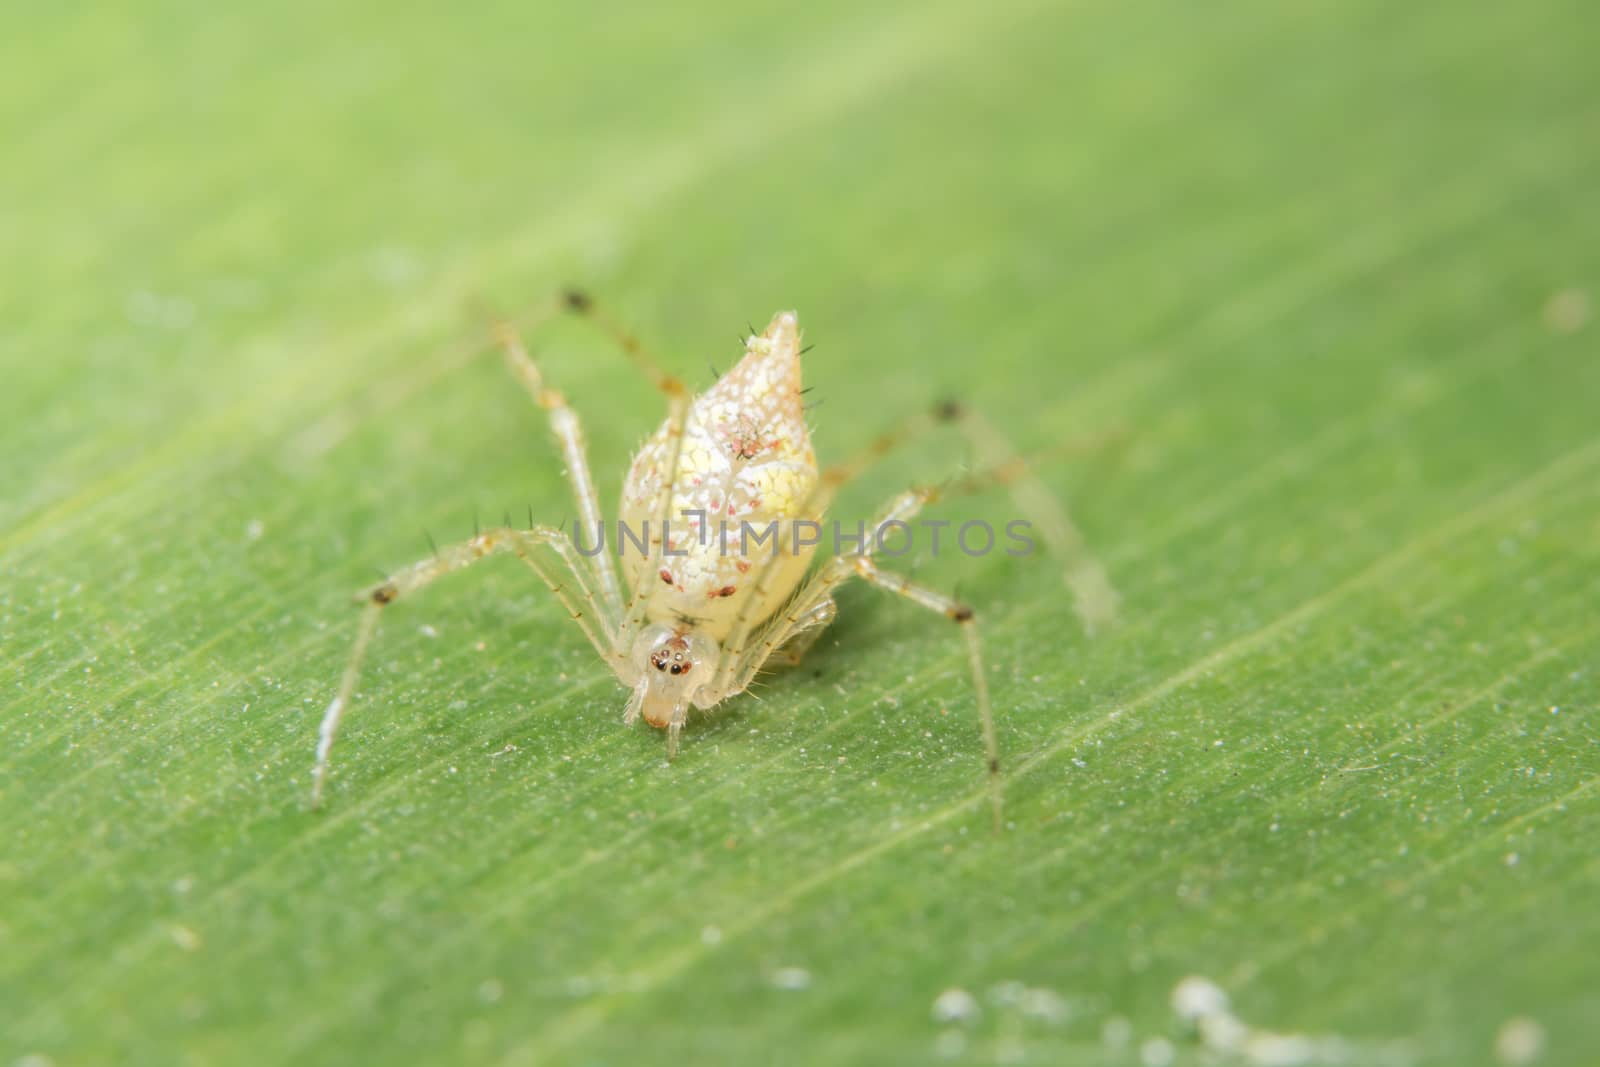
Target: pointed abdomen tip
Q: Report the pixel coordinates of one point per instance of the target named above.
(784, 329)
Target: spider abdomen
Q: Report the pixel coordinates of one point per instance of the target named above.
(744, 473)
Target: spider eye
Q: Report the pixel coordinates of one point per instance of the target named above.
(676, 669)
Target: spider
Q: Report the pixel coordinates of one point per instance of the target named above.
(707, 608)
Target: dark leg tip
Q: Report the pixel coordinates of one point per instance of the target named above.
(383, 594)
(961, 613)
(576, 300)
(948, 410)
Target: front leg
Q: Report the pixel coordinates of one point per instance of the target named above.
(544, 549)
(806, 633)
(963, 616)
(568, 430)
(813, 608)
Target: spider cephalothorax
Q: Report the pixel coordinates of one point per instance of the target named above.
(672, 663)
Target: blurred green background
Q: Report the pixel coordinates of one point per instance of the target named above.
(1327, 270)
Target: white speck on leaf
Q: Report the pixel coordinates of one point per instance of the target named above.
(956, 1006)
(1196, 998)
(1116, 1032)
(791, 978)
(1156, 1052)
(1203, 1005)
(1520, 1040)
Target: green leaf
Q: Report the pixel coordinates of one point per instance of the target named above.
(1321, 275)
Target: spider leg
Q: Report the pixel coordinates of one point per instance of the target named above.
(1094, 598)
(1002, 465)
(750, 642)
(583, 305)
(677, 397)
(806, 632)
(961, 614)
(812, 608)
(677, 417)
(544, 549)
(564, 421)
(568, 431)
(743, 658)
